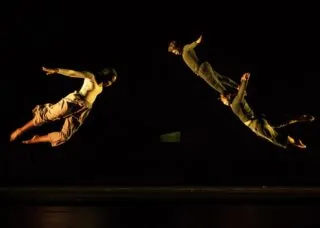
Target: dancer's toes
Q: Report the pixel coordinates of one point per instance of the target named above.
(300, 144)
(14, 135)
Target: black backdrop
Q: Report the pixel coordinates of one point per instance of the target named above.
(156, 93)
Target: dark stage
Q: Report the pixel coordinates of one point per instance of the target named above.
(219, 174)
(99, 196)
(99, 207)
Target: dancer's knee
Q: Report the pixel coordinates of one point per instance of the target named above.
(58, 138)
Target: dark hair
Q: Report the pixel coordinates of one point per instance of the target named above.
(106, 74)
(172, 45)
(229, 95)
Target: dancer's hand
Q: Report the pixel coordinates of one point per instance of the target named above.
(199, 40)
(49, 71)
(245, 77)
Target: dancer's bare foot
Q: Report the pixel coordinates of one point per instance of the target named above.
(296, 142)
(32, 140)
(14, 135)
(299, 144)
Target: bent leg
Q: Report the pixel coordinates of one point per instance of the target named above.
(70, 126)
(45, 113)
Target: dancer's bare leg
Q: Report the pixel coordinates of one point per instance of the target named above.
(37, 139)
(19, 131)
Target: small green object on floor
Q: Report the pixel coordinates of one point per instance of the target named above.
(171, 137)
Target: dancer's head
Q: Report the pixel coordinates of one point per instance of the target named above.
(226, 98)
(175, 48)
(107, 76)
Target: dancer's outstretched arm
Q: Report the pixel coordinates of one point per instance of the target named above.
(242, 90)
(68, 72)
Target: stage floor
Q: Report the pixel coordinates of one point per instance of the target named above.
(84, 194)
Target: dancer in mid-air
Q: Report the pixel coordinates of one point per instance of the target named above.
(221, 83)
(73, 108)
(257, 123)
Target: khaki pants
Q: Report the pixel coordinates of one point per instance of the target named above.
(220, 83)
(72, 108)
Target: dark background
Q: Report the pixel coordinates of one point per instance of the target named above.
(156, 93)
